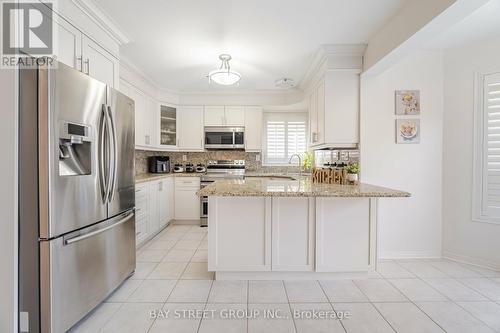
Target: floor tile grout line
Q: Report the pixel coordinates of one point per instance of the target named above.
(474, 316)
(421, 310)
(331, 304)
(205, 307)
(474, 289)
(289, 305)
(373, 305)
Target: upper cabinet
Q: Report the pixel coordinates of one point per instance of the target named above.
(334, 111)
(168, 126)
(214, 115)
(75, 48)
(334, 97)
(234, 115)
(224, 116)
(99, 63)
(253, 128)
(190, 128)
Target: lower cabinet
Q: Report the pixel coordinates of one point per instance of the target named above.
(154, 203)
(187, 202)
(289, 234)
(293, 234)
(240, 239)
(342, 234)
(166, 198)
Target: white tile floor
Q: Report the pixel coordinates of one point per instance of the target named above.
(404, 296)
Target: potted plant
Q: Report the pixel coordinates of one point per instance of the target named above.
(308, 161)
(352, 172)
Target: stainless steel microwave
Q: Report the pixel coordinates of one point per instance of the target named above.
(224, 137)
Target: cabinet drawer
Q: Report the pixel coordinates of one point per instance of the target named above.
(189, 182)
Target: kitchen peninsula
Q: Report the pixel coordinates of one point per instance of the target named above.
(291, 228)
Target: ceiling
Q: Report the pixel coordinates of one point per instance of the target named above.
(482, 24)
(177, 42)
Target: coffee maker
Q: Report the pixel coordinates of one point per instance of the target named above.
(159, 164)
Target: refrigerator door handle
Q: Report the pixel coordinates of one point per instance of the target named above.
(96, 232)
(114, 153)
(102, 154)
(109, 163)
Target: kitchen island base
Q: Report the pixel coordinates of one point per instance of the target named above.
(276, 238)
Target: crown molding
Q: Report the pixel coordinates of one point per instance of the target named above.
(99, 16)
(338, 57)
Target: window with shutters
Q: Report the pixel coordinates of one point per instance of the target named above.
(285, 134)
(486, 196)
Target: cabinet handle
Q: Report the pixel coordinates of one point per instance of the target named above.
(87, 62)
(79, 64)
(146, 139)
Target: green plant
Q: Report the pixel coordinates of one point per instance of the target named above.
(307, 162)
(352, 168)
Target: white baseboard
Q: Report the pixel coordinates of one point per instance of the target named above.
(409, 255)
(471, 260)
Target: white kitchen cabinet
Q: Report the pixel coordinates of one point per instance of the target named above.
(342, 234)
(76, 49)
(141, 212)
(334, 111)
(187, 203)
(99, 63)
(224, 116)
(69, 43)
(190, 128)
(166, 201)
(165, 207)
(253, 128)
(167, 126)
(144, 130)
(154, 202)
(234, 116)
(293, 234)
(154, 207)
(240, 234)
(214, 115)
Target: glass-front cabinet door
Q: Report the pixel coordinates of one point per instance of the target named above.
(168, 126)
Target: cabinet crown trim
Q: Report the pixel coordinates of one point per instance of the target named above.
(98, 15)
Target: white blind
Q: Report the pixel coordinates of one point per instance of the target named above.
(491, 147)
(285, 135)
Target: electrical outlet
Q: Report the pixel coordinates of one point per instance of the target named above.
(257, 157)
(184, 158)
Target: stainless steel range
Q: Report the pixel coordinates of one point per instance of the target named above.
(217, 170)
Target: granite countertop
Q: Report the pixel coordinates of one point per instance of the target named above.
(147, 177)
(298, 187)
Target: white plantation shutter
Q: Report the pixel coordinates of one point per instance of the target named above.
(284, 135)
(275, 140)
(491, 152)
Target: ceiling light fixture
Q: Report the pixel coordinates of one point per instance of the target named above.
(224, 75)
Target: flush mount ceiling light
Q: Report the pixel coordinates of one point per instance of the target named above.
(224, 75)
(284, 83)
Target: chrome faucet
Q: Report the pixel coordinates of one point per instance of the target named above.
(300, 163)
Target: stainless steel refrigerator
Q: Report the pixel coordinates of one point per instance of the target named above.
(76, 195)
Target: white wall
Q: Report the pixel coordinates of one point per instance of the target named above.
(8, 202)
(408, 227)
(463, 239)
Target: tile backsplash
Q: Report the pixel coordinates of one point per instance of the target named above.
(141, 160)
